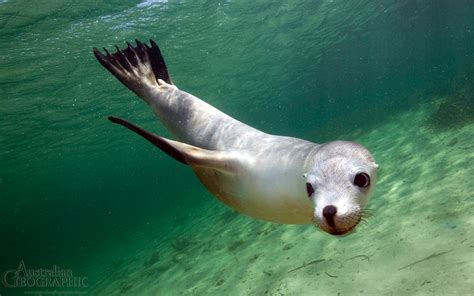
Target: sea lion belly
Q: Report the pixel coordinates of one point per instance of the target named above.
(269, 186)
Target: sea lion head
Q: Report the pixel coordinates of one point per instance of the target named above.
(339, 181)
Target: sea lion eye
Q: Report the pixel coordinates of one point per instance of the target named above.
(309, 189)
(362, 180)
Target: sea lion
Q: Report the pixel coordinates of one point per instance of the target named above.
(274, 178)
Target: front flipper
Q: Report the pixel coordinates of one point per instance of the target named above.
(191, 155)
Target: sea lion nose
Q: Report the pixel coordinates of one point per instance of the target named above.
(329, 212)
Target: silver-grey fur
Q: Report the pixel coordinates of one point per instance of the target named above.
(264, 176)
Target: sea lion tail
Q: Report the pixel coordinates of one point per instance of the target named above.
(138, 68)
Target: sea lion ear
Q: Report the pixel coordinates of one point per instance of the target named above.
(184, 153)
(376, 165)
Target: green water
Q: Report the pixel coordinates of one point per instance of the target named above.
(83, 194)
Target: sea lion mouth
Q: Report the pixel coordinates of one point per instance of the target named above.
(335, 230)
(341, 232)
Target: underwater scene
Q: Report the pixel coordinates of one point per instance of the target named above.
(89, 208)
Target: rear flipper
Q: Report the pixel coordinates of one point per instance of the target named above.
(223, 161)
(139, 68)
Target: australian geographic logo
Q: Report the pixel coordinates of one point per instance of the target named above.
(55, 277)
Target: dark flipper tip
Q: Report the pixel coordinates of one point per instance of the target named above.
(158, 141)
(153, 43)
(126, 65)
(97, 53)
(114, 119)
